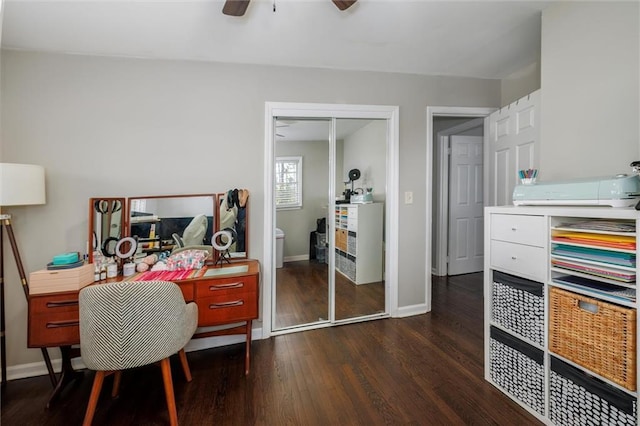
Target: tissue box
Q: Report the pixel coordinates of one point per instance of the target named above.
(54, 281)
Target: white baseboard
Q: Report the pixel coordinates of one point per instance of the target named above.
(408, 311)
(33, 369)
(296, 258)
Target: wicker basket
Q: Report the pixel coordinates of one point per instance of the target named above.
(597, 335)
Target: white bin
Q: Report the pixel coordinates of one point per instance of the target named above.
(279, 248)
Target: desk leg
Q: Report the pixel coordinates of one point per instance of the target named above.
(47, 361)
(67, 375)
(247, 355)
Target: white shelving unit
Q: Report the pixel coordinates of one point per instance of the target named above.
(537, 257)
(358, 242)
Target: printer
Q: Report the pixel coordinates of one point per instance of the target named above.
(616, 191)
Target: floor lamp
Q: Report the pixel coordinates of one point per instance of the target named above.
(20, 185)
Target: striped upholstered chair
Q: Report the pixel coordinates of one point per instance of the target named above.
(131, 324)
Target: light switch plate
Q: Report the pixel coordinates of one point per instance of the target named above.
(408, 197)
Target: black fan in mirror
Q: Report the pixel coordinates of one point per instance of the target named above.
(354, 174)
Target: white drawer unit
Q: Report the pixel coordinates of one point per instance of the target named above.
(530, 230)
(359, 245)
(518, 259)
(540, 348)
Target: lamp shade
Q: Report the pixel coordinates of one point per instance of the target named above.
(21, 184)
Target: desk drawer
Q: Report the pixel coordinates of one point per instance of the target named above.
(226, 286)
(519, 259)
(530, 230)
(54, 329)
(54, 320)
(54, 303)
(227, 308)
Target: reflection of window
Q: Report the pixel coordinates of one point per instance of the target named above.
(138, 205)
(288, 182)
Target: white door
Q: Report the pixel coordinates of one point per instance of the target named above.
(513, 141)
(466, 254)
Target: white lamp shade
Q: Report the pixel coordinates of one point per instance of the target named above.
(21, 184)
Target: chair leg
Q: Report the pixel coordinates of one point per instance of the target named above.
(93, 399)
(116, 384)
(168, 390)
(185, 365)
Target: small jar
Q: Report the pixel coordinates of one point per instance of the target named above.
(103, 273)
(112, 270)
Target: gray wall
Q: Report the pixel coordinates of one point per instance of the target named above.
(590, 89)
(298, 223)
(520, 83)
(366, 150)
(128, 127)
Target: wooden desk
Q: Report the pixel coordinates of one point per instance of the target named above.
(222, 300)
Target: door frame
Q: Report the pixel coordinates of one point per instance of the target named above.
(445, 111)
(441, 239)
(313, 110)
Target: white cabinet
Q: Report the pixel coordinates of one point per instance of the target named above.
(358, 242)
(560, 311)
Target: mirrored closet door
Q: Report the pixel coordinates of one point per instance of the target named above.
(330, 256)
(358, 217)
(301, 198)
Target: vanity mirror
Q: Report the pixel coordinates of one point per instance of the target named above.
(233, 218)
(169, 222)
(172, 222)
(106, 225)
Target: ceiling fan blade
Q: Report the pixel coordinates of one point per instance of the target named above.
(235, 7)
(343, 4)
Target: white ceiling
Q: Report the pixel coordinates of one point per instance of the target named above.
(316, 129)
(481, 38)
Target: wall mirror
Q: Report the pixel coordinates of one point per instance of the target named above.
(107, 218)
(170, 222)
(232, 214)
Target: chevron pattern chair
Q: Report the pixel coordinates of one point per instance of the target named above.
(131, 324)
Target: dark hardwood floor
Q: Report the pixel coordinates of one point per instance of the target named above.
(302, 295)
(421, 370)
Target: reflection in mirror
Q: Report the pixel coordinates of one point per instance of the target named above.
(302, 171)
(172, 223)
(361, 159)
(105, 226)
(233, 219)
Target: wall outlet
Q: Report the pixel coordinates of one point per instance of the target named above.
(408, 197)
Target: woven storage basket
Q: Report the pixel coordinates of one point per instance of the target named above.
(517, 367)
(518, 305)
(577, 398)
(597, 335)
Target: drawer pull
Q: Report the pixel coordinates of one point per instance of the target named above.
(513, 228)
(226, 286)
(226, 304)
(62, 303)
(58, 324)
(513, 257)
